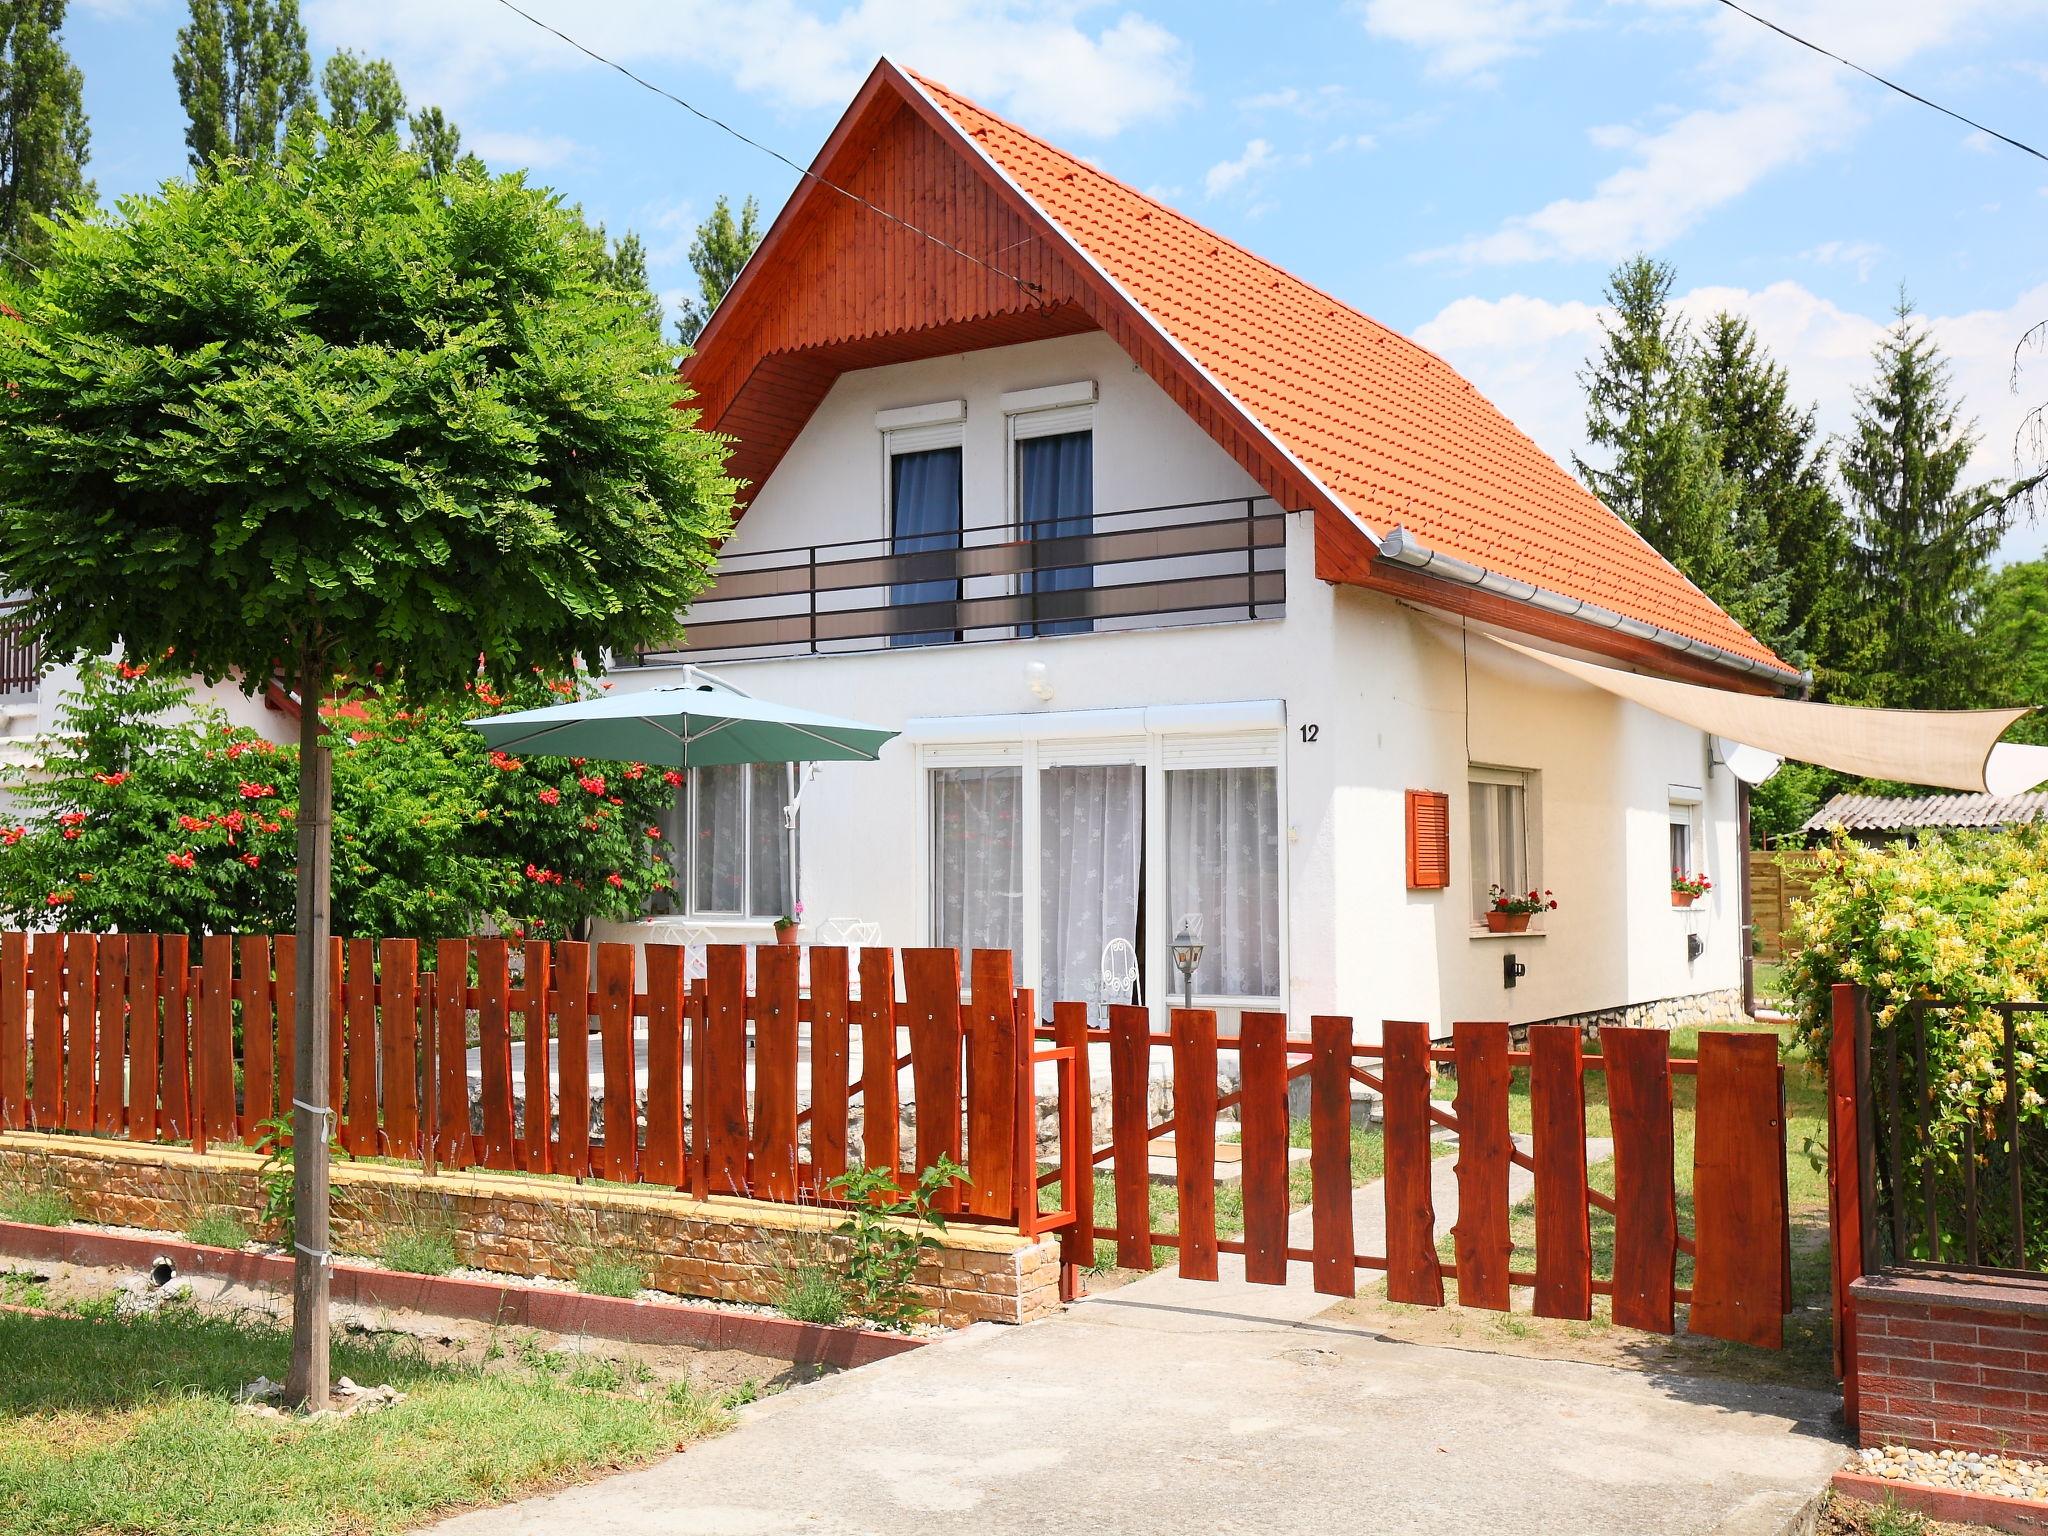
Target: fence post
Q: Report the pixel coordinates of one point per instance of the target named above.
(1846, 1193)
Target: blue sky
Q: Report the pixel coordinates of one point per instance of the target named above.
(1464, 170)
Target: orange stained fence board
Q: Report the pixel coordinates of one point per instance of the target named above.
(360, 991)
(991, 1085)
(1262, 1117)
(1557, 1107)
(284, 991)
(494, 1047)
(14, 1031)
(174, 1065)
(214, 1050)
(110, 1087)
(1194, 1139)
(662, 1162)
(1638, 1065)
(145, 1037)
(337, 1042)
(46, 1041)
(1329, 1115)
(1480, 1238)
(621, 1158)
(721, 1071)
(881, 1132)
(1413, 1273)
(775, 1051)
(259, 1048)
(1738, 1192)
(81, 961)
(1130, 1064)
(536, 1088)
(830, 1044)
(399, 1038)
(1070, 1032)
(931, 1010)
(572, 1011)
(452, 1145)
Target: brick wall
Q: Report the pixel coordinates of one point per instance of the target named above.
(728, 1249)
(1953, 1360)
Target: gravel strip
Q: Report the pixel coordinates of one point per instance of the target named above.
(1970, 1471)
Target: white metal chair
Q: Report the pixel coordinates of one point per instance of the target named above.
(1119, 971)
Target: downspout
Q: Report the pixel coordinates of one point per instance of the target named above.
(1402, 547)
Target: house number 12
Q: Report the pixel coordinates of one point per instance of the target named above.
(1310, 732)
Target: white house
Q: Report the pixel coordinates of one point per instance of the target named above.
(1183, 581)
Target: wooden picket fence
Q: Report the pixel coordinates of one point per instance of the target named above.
(1740, 1244)
(124, 1035)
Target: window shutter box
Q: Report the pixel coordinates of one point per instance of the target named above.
(1429, 840)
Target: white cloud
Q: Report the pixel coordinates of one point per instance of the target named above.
(1035, 59)
(1524, 354)
(514, 151)
(1770, 105)
(1314, 103)
(1863, 255)
(1362, 142)
(1466, 38)
(1258, 157)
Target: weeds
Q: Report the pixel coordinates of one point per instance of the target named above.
(24, 1288)
(41, 1203)
(610, 1274)
(881, 1267)
(417, 1249)
(814, 1293)
(216, 1227)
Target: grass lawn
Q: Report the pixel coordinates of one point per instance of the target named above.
(128, 1425)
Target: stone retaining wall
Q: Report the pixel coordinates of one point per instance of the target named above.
(727, 1249)
(1719, 1007)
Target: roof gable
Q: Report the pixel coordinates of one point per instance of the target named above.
(1325, 407)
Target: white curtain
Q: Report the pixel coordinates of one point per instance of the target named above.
(1223, 865)
(1091, 841)
(770, 889)
(718, 845)
(978, 858)
(1500, 841)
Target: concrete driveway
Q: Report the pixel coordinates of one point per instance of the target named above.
(1176, 1407)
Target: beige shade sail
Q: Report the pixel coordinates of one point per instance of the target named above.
(1949, 749)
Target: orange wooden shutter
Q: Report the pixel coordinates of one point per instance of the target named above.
(1429, 840)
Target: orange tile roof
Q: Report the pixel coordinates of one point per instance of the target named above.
(1388, 427)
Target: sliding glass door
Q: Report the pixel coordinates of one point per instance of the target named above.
(1091, 865)
(924, 516)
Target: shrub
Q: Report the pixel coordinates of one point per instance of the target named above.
(891, 1231)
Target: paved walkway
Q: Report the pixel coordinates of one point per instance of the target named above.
(1181, 1407)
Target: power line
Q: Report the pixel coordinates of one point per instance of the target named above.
(2003, 138)
(776, 154)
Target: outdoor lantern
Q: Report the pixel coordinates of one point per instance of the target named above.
(1187, 954)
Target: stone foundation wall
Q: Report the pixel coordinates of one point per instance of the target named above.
(1953, 1361)
(726, 1249)
(1719, 1007)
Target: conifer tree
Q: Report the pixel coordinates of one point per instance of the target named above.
(363, 95)
(243, 74)
(721, 248)
(43, 135)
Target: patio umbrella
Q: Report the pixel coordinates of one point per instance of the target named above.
(687, 727)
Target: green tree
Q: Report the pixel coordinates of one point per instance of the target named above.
(437, 142)
(43, 135)
(626, 265)
(243, 74)
(1923, 537)
(363, 95)
(1787, 517)
(721, 248)
(1643, 405)
(2012, 629)
(328, 418)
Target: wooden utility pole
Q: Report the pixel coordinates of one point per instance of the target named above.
(306, 1383)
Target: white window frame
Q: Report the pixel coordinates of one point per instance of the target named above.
(1152, 738)
(1530, 782)
(686, 877)
(1687, 807)
(918, 429)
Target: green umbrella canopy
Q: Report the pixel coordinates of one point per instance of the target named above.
(690, 727)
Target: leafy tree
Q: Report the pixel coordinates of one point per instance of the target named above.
(363, 95)
(1923, 538)
(43, 135)
(1787, 517)
(243, 74)
(437, 142)
(1665, 480)
(2012, 629)
(721, 248)
(627, 267)
(330, 418)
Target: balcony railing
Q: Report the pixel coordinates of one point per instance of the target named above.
(1142, 568)
(21, 655)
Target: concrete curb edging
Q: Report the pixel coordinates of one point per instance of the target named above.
(506, 1303)
(1955, 1505)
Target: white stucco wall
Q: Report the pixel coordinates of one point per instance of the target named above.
(1390, 689)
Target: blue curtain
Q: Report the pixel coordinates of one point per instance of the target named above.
(924, 511)
(1056, 499)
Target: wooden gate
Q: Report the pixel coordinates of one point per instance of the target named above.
(1737, 1247)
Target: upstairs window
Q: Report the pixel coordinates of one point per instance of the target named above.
(1053, 436)
(924, 462)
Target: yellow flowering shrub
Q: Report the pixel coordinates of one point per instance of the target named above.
(1964, 920)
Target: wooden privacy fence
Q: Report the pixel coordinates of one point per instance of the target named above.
(1778, 879)
(1740, 1244)
(125, 1035)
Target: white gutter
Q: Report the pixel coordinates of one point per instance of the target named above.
(1403, 548)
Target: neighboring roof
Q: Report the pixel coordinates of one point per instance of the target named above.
(1388, 427)
(1927, 813)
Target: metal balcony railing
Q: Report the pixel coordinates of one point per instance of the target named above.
(1144, 567)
